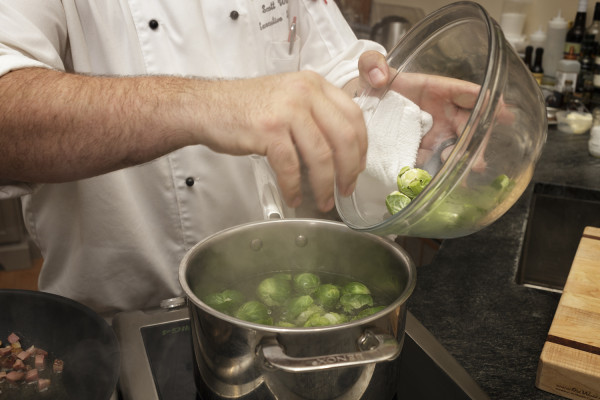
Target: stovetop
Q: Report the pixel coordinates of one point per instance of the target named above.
(157, 360)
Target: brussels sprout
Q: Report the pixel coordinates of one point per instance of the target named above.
(274, 291)
(368, 311)
(396, 201)
(504, 184)
(501, 182)
(305, 315)
(329, 318)
(226, 301)
(327, 295)
(355, 288)
(295, 306)
(254, 311)
(351, 302)
(306, 283)
(411, 181)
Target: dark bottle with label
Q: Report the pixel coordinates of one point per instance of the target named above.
(585, 80)
(536, 69)
(592, 33)
(577, 32)
(595, 101)
(567, 93)
(528, 57)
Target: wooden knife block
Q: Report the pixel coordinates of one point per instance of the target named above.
(569, 365)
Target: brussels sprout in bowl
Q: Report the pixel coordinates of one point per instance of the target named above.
(489, 127)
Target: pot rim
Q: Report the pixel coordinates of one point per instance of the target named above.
(390, 245)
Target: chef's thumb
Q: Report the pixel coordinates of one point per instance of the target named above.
(373, 69)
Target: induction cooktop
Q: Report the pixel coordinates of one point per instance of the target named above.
(157, 360)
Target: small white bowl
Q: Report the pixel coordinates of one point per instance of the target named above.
(576, 122)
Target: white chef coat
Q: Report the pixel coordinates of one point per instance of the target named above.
(114, 242)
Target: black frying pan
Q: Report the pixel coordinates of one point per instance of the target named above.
(69, 331)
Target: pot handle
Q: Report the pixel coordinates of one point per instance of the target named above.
(268, 191)
(374, 348)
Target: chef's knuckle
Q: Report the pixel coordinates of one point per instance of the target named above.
(269, 121)
(305, 84)
(324, 156)
(282, 155)
(346, 134)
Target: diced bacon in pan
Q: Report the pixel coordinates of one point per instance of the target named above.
(39, 361)
(24, 355)
(13, 338)
(31, 375)
(15, 376)
(18, 364)
(43, 384)
(8, 361)
(22, 368)
(57, 366)
(4, 351)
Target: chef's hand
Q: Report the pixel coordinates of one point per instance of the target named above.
(374, 73)
(308, 116)
(450, 102)
(289, 116)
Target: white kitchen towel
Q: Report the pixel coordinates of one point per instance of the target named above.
(395, 127)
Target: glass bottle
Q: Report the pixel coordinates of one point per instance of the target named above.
(592, 33)
(585, 80)
(595, 101)
(528, 57)
(567, 93)
(536, 69)
(576, 33)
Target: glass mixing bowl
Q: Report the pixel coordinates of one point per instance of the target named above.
(489, 128)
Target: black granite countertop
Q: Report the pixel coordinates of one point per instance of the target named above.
(468, 298)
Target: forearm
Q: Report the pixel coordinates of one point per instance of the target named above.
(57, 127)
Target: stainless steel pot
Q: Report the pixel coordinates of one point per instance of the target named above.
(354, 360)
(389, 31)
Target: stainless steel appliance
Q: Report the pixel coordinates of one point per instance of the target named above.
(157, 360)
(389, 30)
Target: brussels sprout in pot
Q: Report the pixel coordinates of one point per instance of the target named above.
(324, 358)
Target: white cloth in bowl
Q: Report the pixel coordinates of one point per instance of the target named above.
(395, 127)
